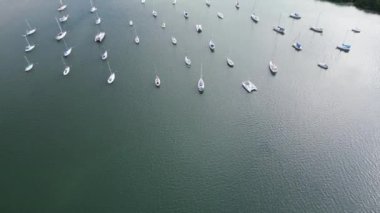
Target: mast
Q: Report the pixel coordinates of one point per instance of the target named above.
(58, 24)
(109, 67)
(27, 24)
(27, 41)
(27, 60)
(63, 61)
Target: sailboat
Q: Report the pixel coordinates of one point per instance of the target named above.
(230, 63)
(220, 15)
(142, 1)
(105, 55)
(163, 25)
(131, 23)
(186, 14)
(237, 5)
(93, 8)
(29, 67)
(174, 2)
(273, 68)
(278, 28)
(356, 30)
(316, 28)
(201, 83)
(208, 3)
(255, 18)
(67, 68)
(68, 50)
(187, 61)
(211, 45)
(28, 47)
(30, 30)
(64, 18)
(154, 13)
(98, 19)
(137, 39)
(297, 45)
(112, 76)
(99, 37)
(295, 16)
(61, 33)
(62, 6)
(323, 65)
(157, 80)
(174, 40)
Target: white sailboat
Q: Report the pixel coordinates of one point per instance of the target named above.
(163, 25)
(68, 50)
(208, 3)
(99, 37)
(220, 15)
(61, 33)
(104, 55)
(186, 14)
(201, 83)
(211, 45)
(174, 40)
(62, 6)
(112, 76)
(93, 8)
(273, 68)
(64, 18)
(67, 69)
(142, 1)
(230, 63)
(98, 20)
(30, 30)
(137, 39)
(29, 67)
(174, 2)
(317, 28)
(237, 5)
(187, 61)
(28, 47)
(154, 13)
(131, 23)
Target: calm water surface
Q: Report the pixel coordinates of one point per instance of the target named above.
(307, 141)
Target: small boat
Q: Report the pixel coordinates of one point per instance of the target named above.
(67, 68)
(93, 8)
(230, 63)
(61, 34)
(255, 18)
(220, 15)
(297, 46)
(273, 68)
(174, 2)
(64, 18)
(317, 29)
(131, 23)
(154, 13)
(249, 86)
(208, 3)
(28, 47)
(344, 47)
(137, 40)
(356, 30)
(100, 37)
(163, 25)
(157, 81)
(29, 67)
(198, 27)
(186, 14)
(323, 65)
(174, 41)
(295, 16)
(237, 5)
(279, 30)
(201, 83)
(142, 1)
(211, 45)
(62, 6)
(112, 76)
(30, 30)
(187, 61)
(98, 20)
(68, 50)
(105, 55)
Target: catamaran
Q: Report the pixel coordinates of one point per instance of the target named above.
(62, 6)
(93, 8)
(64, 18)
(154, 13)
(201, 83)
(112, 76)
(30, 30)
(67, 68)
(99, 37)
(28, 47)
(29, 67)
(174, 40)
(105, 55)
(249, 86)
(68, 50)
(211, 45)
(273, 68)
(187, 61)
(61, 33)
(230, 63)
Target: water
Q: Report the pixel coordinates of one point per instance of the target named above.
(307, 141)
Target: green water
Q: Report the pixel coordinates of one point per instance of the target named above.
(307, 141)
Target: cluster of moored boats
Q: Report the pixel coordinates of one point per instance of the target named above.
(100, 36)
